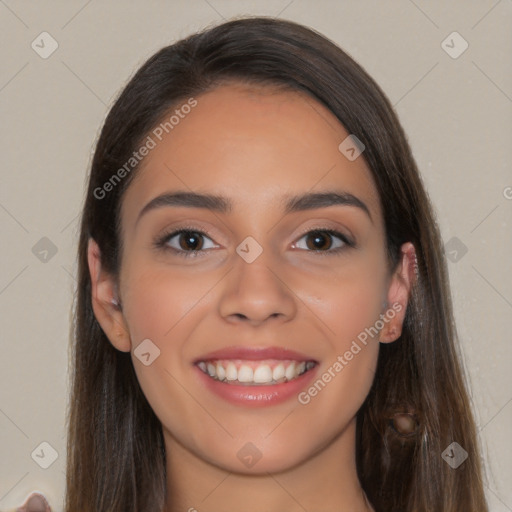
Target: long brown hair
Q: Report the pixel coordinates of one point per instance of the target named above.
(115, 450)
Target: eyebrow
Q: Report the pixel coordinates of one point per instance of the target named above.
(220, 204)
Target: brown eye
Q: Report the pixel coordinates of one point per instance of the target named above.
(190, 240)
(324, 240)
(318, 240)
(186, 242)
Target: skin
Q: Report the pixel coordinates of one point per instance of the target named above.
(255, 146)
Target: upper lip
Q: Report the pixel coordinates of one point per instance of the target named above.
(254, 354)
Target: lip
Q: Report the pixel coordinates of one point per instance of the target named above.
(258, 395)
(255, 354)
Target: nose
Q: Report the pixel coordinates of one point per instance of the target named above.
(255, 292)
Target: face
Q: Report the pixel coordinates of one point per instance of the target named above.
(259, 315)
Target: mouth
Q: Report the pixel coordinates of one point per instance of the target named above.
(268, 372)
(255, 377)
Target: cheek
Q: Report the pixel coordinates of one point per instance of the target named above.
(349, 305)
(347, 371)
(350, 300)
(156, 301)
(164, 307)
(357, 306)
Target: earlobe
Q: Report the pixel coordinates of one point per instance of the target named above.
(399, 292)
(105, 302)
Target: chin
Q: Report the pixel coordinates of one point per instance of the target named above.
(251, 458)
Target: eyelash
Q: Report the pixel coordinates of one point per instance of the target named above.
(162, 241)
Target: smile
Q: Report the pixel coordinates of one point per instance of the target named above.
(253, 373)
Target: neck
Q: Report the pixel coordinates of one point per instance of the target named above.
(327, 481)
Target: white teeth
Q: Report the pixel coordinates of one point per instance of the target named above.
(245, 374)
(278, 372)
(221, 373)
(231, 372)
(248, 373)
(290, 371)
(263, 374)
(211, 370)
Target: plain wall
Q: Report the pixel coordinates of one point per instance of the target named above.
(455, 111)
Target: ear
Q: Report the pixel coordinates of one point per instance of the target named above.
(105, 302)
(399, 291)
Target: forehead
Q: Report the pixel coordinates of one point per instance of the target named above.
(253, 145)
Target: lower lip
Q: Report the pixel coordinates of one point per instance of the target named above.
(258, 395)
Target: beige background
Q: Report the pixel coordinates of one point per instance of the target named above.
(456, 112)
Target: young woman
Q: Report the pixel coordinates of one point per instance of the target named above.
(263, 318)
